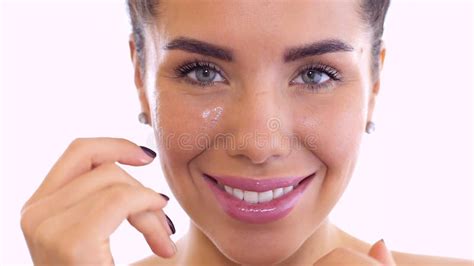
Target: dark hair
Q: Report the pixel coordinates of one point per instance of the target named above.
(373, 12)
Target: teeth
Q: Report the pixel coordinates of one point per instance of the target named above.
(251, 196)
(257, 197)
(238, 193)
(277, 192)
(287, 189)
(265, 196)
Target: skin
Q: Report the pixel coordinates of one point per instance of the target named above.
(256, 91)
(86, 195)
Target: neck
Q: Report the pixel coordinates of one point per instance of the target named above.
(197, 249)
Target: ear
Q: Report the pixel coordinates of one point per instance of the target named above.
(139, 79)
(376, 84)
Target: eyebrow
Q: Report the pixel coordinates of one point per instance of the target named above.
(316, 48)
(226, 54)
(200, 47)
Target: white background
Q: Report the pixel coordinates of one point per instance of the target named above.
(66, 73)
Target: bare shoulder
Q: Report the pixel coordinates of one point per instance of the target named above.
(402, 258)
(154, 261)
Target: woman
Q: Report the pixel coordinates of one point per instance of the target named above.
(258, 109)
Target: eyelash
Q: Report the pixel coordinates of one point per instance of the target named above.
(332, 73)
(183, 70)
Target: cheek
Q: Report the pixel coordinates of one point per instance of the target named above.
(340, 139)
(334, 130)
(184, 126)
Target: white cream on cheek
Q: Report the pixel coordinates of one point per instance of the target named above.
(212, 116)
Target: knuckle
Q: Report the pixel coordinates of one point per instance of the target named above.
(28, 220)
(76, 144)
(26, 224)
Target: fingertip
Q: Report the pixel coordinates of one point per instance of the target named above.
(378, 246)
(148, 155)
(380, 252)
(160, 249)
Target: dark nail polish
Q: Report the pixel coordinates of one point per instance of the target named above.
(170, 223)
(148, 151)
(383, 241)
(164, 196)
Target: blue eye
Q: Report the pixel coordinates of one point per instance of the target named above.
(313, 76)
(200, 73)
(317, 76)
(204, 74)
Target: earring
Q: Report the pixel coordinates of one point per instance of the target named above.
(370, 127)
(142, 118)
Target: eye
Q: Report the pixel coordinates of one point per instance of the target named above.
(313, 76)
(317, 76)
(200, 73)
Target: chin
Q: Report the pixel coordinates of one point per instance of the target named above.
(259, 249)
(263, 244)
(256, 243)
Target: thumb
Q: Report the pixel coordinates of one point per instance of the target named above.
(380, 252)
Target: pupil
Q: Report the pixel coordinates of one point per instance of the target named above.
(312, 76)
(205, 74)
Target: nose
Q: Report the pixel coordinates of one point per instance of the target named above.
(259, 126)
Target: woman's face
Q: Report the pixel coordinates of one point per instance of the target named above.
(256, 109)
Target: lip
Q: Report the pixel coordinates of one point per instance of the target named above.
(258, 213)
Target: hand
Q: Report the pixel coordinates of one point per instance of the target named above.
(85, 197)
(378, 255)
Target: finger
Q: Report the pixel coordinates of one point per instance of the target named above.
(84, 154)
(156, 232)
(164, 219)
(345, 256)
(380, 252)
(79, 188)
(98, 216)
(117, 203)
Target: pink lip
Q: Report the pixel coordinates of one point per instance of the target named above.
(258, 212)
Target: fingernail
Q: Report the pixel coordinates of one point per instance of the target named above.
(381, 240)
(148, 151)
(164, 196)
(171, 225)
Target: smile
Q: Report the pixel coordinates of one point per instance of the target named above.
(257, 200)
(257, 197)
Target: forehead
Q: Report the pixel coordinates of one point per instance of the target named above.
(265, 27)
